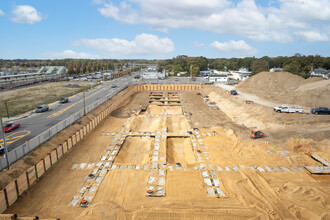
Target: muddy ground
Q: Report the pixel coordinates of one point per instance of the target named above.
(222, 174)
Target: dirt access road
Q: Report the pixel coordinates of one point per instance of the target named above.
(221, 174)
(249, 96)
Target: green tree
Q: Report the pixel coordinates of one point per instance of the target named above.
(195, 70)
(259, 65)
(292, 67)
(177, 68)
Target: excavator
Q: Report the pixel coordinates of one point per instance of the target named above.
(255, 133)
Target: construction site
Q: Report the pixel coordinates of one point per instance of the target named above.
(176, 152)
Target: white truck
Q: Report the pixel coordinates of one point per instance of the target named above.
(289, 109)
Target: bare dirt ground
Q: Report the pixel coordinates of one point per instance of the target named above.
(222, 173)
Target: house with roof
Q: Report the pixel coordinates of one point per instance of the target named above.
(320, 72)
(275, 69)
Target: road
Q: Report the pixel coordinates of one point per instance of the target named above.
(249, 96)
(36, 123)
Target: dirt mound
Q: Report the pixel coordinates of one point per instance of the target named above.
(289, 88)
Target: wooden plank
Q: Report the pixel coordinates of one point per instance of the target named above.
(3, 204)
(32, 175)
(65, 147)
(40, 168)
(22, 183)
(54, 156)
(47, 162)
(59, 152)
(69, 143)
(11, 193)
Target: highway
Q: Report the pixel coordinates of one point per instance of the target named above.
(36, 123)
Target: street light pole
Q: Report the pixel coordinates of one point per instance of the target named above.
(84, 103)
(190, 71)
(7, 109)
(5, 143)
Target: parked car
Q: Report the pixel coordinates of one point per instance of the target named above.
(233, 92)
(2, 150)
(176, 79)
(289, 109)
(113, 86)
(42, 108)
(64, 100)
(321, 110)
(11, 126)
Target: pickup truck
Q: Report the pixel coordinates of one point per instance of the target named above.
(320, 110)
(289, 109)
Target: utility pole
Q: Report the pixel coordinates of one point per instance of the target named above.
(103, 74)
(7, 109)
(84, 103)
(190, 71)
(5, 143)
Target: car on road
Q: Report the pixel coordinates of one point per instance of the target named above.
(42, 108)
(11, 126)
(113, 86)
(64, 100)
(289, 109)
(233, 92)
(320, 110)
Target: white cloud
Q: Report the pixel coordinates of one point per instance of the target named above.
(277, 22)
(109, 10)
(26, 14)
(142, 45)
(198, 44)
(69, 54)
(312, 36)
(235, 47)
(2, 13)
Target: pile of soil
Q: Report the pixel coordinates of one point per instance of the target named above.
(289, 88)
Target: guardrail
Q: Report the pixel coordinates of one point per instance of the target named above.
(25, 148)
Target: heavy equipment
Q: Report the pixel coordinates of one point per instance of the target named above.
(255, 133)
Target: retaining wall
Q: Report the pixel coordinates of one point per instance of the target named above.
(172, 87)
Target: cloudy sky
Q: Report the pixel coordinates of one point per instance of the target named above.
(149, 29)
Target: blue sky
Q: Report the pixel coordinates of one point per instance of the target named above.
(151, 29)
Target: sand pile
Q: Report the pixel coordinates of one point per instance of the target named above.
(289, 88)
(247, 115)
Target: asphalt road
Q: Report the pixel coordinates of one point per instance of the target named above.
(36, 123)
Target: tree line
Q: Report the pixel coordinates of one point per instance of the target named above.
(297, 64)
(75, 66)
